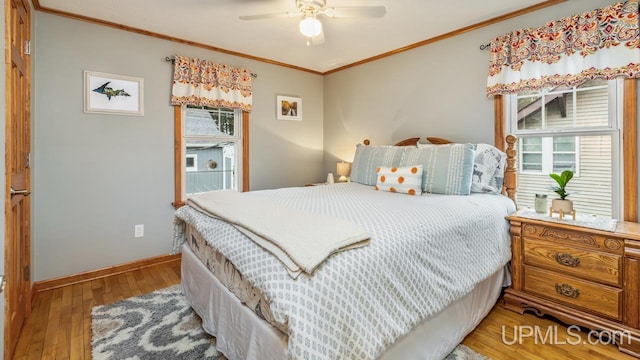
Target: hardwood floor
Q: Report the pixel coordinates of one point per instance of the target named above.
(487, 339)
(59, 326)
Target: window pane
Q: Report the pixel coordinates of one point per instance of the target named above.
(532, 162)
(589, 156)
(593, 107)
(216, 166)
(564, 143)
(559, 110)
(226, 123)
(529, 116)
(565, 107)
(563, 162)
(209, 122)
(532, 144)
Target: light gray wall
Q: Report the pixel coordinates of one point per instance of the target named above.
(96, 176)
(434, 90)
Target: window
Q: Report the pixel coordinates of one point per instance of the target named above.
(544, 155)
(210, 137)
(191, 162)
(210, 144)
(570, 128)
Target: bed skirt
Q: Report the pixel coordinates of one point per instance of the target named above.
(241, 334)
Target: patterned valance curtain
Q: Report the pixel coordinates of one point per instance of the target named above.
(205, 83)
(601, 44)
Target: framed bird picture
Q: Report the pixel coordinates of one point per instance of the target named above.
(113, 94)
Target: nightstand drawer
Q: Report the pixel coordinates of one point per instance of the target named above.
(574, 238)
(589, 296)
(591, 265)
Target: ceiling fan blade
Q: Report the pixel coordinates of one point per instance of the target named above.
(356, 11)
(270, 16)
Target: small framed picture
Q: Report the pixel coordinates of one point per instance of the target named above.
(289, 107)
(113, 94)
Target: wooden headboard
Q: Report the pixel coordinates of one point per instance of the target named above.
(510, 173)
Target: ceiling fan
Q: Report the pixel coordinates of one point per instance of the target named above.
(310, 25)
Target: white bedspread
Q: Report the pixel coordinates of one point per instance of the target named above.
(425, 252)
(299, 239)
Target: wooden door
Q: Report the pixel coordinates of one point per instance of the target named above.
(17, 148)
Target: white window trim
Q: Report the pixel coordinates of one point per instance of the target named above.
(614, 128)
(195, 162)
(237, 138)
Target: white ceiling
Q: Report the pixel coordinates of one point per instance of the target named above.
(348, 40)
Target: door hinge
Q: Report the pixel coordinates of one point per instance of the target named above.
(28, 160)
(25, 275)
(27, 47)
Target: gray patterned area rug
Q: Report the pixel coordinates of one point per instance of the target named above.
(161, 325)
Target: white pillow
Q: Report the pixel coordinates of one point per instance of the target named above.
(405, 180)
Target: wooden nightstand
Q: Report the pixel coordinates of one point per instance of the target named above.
(578, 275)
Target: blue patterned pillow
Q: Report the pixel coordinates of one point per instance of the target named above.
(448, 169)
(368, 158)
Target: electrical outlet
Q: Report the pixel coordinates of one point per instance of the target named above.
(138, 231)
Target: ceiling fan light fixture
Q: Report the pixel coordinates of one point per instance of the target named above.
(310, 26)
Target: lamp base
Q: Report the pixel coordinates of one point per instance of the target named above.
(342, 178)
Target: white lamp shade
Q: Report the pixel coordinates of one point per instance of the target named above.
(343, 169)
(310, 26)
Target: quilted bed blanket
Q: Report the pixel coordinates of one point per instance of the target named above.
(425, 252)
(299, 239)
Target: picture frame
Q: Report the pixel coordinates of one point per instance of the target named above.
(289, 107)
(113, 94)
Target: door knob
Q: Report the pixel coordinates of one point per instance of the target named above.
(24, 192)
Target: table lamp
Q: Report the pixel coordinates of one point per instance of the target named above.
(342, 170)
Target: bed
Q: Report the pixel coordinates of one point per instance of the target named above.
(434, 267)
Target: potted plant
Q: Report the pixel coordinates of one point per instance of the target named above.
(562, 205)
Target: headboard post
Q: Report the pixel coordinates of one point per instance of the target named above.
(510, 173)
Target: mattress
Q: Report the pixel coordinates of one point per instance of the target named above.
(426, 252)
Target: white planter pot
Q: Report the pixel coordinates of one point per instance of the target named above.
(565, 205)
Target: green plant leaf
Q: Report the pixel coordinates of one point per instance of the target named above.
(567, 175)
(562, 180)
(558, 179)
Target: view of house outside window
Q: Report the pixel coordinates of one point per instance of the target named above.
(569, 128)
(212, 142)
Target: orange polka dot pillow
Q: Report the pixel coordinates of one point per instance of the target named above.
(405, 180)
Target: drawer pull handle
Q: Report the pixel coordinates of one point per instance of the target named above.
(567, 260)
(567, 290)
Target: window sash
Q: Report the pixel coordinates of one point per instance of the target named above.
(547, 156)
(613, 129)
(614, 87)
(235, 139)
